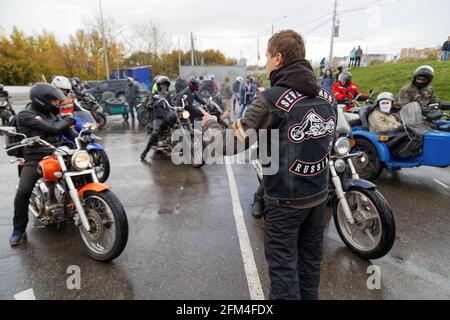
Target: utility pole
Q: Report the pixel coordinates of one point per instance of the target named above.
(333, 31)
(257, 57)
(105, 51)
(192, 49)
(179, 56)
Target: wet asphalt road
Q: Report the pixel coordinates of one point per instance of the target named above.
(183, 241)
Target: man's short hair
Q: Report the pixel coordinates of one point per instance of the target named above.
(289, 43)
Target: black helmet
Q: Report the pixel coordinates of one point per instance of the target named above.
(424, 71)
(42, 94)
(195, 84)
(162, 80)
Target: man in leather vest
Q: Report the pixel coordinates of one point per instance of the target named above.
(295, 197)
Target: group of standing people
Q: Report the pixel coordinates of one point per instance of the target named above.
(355, 57)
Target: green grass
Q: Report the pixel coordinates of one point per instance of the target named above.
(392, 77)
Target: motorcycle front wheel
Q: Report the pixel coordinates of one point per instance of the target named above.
(101, 164)
(373, 233)
(109, 234)
(101, 119)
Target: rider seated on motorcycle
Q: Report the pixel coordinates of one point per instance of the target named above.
(76, 88)
(162, 117)
(419, 90)
(192, 94)
(63, 84)
(381, 119)
(345, 89)
(40, 118)
(5, 94)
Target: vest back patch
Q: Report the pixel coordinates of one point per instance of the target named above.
(308, 169)
(313, 126)
(288, 100)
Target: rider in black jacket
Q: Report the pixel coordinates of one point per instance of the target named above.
(40, 118)
(191, 93)
(162, 117)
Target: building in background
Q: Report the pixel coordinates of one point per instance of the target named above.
(419, 54)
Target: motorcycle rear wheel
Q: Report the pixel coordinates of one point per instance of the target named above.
(108, 219)
(144, 116)
(375, 224)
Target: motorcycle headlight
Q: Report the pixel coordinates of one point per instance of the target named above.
(81, 160)
(342, 146)
(340, 165)
(3, 104)
(185, 115)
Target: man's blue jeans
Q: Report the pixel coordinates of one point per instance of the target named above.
(445, 55)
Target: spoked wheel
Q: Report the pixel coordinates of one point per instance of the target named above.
(368, 166)
(109, 234)
(373, 233)
(100, 117)
(101, 164)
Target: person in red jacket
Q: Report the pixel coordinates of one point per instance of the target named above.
(345, 89)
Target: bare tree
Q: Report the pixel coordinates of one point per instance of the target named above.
(148, 36)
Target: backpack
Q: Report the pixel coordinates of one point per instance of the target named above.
(12, 138)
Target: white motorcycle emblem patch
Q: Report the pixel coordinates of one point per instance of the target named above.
(312, 126)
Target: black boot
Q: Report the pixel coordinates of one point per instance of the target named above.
(257, 208)
(144, 154)
(151, 142)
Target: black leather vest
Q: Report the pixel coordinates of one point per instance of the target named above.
(307, 127)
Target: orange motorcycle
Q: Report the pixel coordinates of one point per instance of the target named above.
(69, 189)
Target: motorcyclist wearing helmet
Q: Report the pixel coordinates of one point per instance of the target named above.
(5, 94)
(345, 89)
(132, 95)
(162, 117)
(76, 88)
(191, 93)
(381, 119)
(237, 92)
(40, 118)
(63, 84)
(419, 90)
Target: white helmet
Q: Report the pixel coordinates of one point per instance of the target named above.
(239, 79)
(62, 83)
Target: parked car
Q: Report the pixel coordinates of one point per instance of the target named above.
(119, 87)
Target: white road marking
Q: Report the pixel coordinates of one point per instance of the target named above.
(441, 183)
(25, 295)
(251, 271)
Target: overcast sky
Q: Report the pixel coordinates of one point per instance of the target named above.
(232, 25)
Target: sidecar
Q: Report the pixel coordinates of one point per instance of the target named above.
(431, 147)
(115, 106)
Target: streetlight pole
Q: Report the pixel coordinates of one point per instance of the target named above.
(274, 20)
(333, 31)
(105, 52)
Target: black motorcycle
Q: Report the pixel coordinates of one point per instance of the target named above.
(90, 103)
(6, 111)
(144, 109)
(180, 136)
